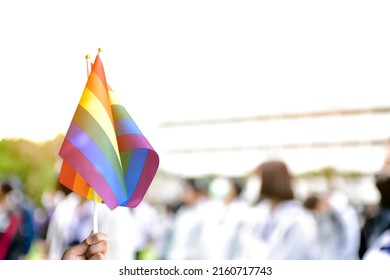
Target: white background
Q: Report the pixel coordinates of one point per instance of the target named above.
(191, 60)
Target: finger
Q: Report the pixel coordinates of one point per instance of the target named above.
(98, 256)
(96, 238)
(100, 247)
(79, 249)
(76, 252)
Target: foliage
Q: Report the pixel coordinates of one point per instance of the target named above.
(330, 172)
(35, 164)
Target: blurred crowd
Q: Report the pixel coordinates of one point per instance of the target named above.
(211, 222)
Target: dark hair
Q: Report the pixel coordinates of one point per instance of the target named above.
(190, 183)
(200, 185)
(275, 181)
(382, 182)
(237, 185)
(311, 202)
(5, 187)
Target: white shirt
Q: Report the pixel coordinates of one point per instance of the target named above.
(59, 233)
(221, 229)
(288, 232)
(120, 227)
(186, 232)
(380, 250)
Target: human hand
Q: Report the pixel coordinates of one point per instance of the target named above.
(95, 247)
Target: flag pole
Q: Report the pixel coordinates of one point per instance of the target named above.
(95, 214)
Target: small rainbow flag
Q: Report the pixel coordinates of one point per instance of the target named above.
(104, 150)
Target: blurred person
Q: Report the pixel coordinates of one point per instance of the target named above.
(221, 229)
(121, 226)
(166, 219)
(185, 243)
(94, 247)
(70, 223)
(42, 215)
(349, 221)
(380, 249)
(16, 222)
(338, 227)
(278, 227)
(379, 222)
(147, 224)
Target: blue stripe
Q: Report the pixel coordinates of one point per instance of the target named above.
(126, 126)
(134, 171)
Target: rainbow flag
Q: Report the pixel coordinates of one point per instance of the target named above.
(104, 150)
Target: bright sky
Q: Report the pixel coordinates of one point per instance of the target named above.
(178, 60)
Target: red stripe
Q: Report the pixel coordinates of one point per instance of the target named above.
(132, 141)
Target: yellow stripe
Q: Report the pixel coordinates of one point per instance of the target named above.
(113, 99)
(93, 106)
(90, 195)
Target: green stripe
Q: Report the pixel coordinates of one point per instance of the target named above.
(125, 158)
(119, 112)
(87, 123)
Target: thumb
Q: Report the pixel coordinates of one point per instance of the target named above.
(76, 252)
(80, 249)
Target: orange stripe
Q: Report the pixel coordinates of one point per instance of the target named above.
(99, 70)
(95, 85)
(67, 175)
(80, 185)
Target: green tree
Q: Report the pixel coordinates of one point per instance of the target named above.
(35, 164)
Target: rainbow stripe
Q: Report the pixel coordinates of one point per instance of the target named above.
(104, 150)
